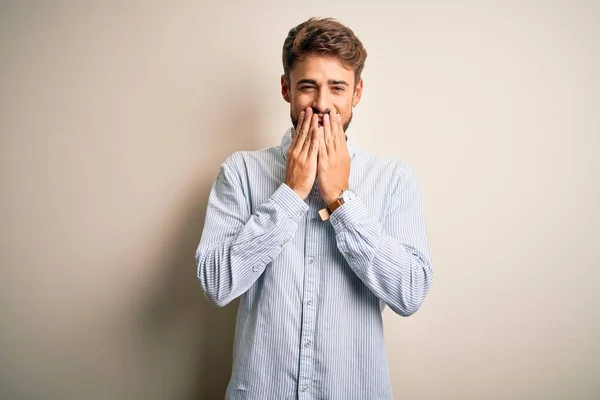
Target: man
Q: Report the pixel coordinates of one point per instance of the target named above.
(315, 237)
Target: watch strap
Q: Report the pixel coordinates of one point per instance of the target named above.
(334, 206)
(327, 211)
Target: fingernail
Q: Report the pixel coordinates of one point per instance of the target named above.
(301, 114)
(326, 118)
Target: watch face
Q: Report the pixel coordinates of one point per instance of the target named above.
(348, 195)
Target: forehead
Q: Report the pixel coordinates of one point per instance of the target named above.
(320, 68)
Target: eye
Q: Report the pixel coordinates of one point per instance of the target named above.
(306, 87)
(338, 88)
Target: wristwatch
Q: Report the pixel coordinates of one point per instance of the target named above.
(345, 196)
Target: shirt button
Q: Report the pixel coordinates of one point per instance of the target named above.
(307, 345)
(303, 389)
(311, 260)
(313, 219)
(309, 302)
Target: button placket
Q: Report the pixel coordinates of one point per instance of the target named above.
(308, 313)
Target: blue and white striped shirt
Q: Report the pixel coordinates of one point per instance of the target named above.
(309, 323)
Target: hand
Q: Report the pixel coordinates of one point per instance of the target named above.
(301, 166)
(334, 158)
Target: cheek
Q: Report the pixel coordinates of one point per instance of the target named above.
(301, 101)
(345, 109)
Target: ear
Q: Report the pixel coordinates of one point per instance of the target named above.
(285, 89)
(357, 93)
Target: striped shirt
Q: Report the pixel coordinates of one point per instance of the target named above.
(312, 292)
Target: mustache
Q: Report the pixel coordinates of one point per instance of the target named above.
(319, 112)
(346, 123)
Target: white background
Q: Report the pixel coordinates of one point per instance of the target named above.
(115, 118)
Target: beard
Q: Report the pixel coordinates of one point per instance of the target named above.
(346, 123)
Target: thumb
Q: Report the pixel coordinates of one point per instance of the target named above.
(321, 141)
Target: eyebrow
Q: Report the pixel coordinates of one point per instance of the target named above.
(329, 82)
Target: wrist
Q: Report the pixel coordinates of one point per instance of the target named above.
(345, 196)
(330, 199)
(333, 196)
(296, 190)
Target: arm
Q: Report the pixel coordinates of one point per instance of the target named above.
(392, 256)
(236, 246)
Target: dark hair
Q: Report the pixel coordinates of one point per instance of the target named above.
(325, 37)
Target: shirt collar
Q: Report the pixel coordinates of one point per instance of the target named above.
(286, 142)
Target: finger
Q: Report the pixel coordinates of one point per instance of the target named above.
(341, 135)
(300, 121)
(297, 128)
(327, 133)
(314, 124)
(308, 113)
(304, 128)
(321, 144)
(342, 141)
(334, 128)
(315, 142)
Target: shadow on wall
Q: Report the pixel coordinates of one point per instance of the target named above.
(178, 302)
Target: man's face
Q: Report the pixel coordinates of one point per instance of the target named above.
(322, 84)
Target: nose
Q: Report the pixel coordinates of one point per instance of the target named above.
(321, 102)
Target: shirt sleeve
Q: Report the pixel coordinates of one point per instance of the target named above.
(390, 256)
(236, 246)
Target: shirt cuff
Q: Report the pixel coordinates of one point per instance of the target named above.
(290, 202)
(348, 213)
